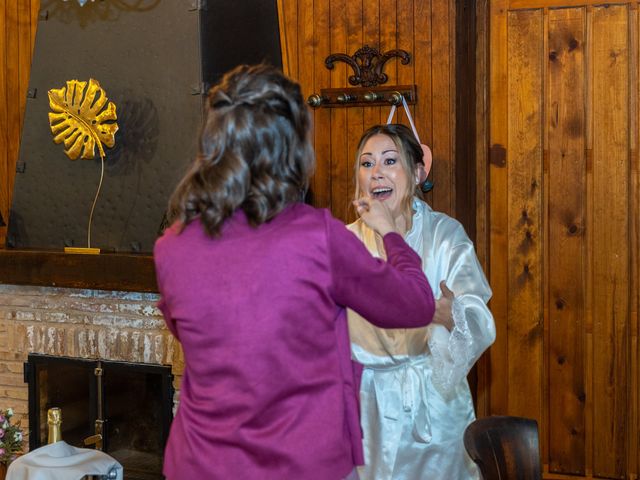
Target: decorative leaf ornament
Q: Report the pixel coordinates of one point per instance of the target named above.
(82, 117)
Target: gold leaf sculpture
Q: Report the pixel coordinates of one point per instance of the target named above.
(82, 117)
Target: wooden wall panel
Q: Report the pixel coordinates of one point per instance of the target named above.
(371, 32)
(13, 86)
(422, 20)
(340, 187)
(525, 212)
(564, 252)
(355, 116)
(634, 284)
(5, 192)
(388, 40)
(566, 271)
(18, 21)
(423, 28)
(498, 206)
(610, 236)
(321, 186)
(442, 81)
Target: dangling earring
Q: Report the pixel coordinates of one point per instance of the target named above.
(426, 186)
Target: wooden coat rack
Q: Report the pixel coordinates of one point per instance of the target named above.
(367, 64)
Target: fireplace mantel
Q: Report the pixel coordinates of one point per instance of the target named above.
(106, 271)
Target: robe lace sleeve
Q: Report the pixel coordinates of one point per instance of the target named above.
(454, 353)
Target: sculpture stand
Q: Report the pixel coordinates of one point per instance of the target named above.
(82, 250)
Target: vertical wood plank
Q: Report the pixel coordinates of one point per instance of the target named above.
(13, 92)
(4, 125)
(422, 73)
(482, 167)
(371, 37)
(321, 189)
(288, 22)
(306, 47)
(339, 140)
(35, 9)
(498, 190)
(23, 24)
(589, 314)
(441, 82)
(405, 38)
(464, 108)
(524, 235)
(406, 41)
(610, 254)
(633, 463)
(544, 430)
(355, 115)
(388, 41)
(566, 275)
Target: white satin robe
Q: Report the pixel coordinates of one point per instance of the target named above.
(415, 399)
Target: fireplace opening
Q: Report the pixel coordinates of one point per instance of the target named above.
(124, 409)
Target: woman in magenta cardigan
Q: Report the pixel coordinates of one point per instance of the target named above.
(255, 286)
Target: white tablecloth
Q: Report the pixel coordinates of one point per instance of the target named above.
(61, 461)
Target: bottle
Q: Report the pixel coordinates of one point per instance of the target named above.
(54, 420)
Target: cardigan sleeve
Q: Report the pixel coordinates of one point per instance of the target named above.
(391, 294)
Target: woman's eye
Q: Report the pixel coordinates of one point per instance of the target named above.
(389, 161)
(366, 164)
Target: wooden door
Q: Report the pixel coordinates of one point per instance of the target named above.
(563, 228)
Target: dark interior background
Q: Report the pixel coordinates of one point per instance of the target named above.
(154, 59)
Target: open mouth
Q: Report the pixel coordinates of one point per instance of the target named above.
(381, 193)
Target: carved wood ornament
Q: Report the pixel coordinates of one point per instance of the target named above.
(367, 64)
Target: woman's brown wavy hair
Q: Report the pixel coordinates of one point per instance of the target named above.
(254, 151)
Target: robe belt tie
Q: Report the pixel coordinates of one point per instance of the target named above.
(412, 377)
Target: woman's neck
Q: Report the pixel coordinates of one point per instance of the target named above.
(402, 223)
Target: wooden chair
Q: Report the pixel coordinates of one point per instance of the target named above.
(504, 448)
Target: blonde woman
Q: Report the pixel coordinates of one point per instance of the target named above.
(415, 399)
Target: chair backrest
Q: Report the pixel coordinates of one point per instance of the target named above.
(504, 448)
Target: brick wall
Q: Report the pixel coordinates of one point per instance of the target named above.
(93, 324)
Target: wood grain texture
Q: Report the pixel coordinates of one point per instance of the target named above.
(441, 80)
(566, 229)
(321, 191)
(355, 116)
(524, 218)
(422, 31)
(482, 191)
(339, 126)
(126, 272)
(542, 4)
(586, 225)
(18, 22)
(498, 201)
(610, 234)
(633, 462)
(6, 172)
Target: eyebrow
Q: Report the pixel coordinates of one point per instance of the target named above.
(383, 152)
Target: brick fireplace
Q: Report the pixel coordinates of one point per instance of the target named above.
(78, 323)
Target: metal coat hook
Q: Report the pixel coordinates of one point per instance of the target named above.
(367, 64)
